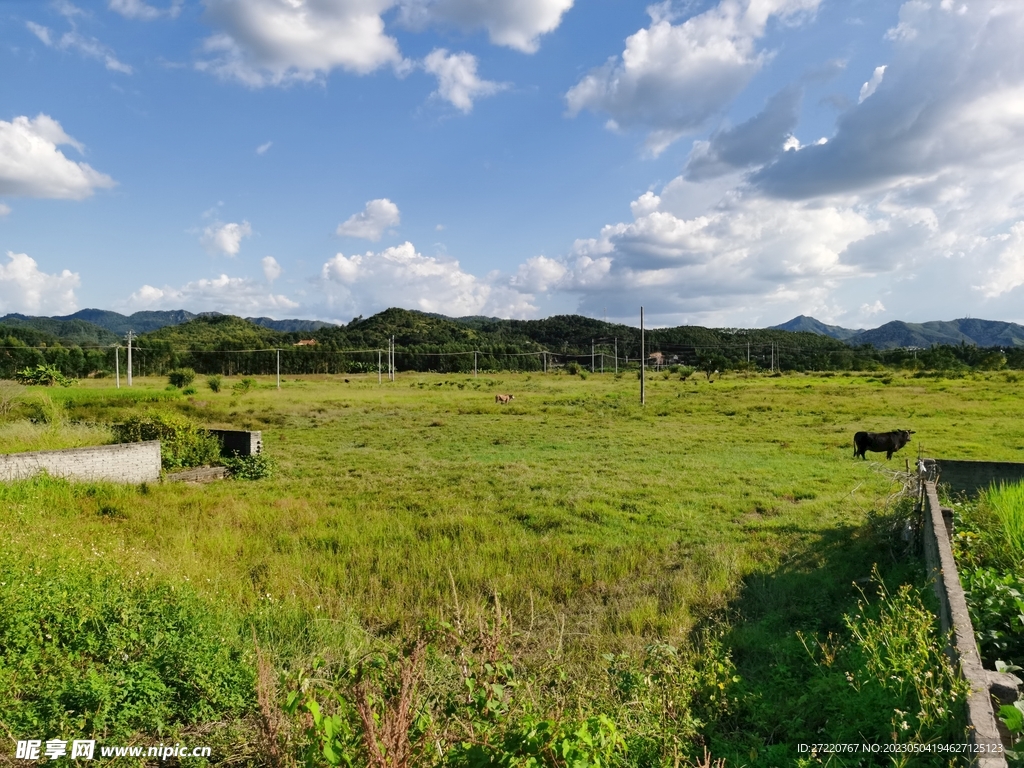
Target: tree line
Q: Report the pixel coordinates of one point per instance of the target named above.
(230, 346)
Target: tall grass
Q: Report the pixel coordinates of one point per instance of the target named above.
(1007, 502)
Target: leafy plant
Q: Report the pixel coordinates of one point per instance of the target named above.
(244, 386)
(181, 377)
(214, 382)
(43, 375)
(182, 443)
(996, 605)
(1007, 501)
(255, 466)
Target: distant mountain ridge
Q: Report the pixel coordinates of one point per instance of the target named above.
(968, 330)
(810, 325)
(98, 327)
(101, 326)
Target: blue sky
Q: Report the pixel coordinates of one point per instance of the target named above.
(730, 163)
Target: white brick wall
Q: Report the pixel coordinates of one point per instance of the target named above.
(123, 463)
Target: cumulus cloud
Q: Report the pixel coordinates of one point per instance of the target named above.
(231, 295)
(225, 238)
(921, 184)
(672, 78)
(31, 165)
(951, 100)
(271, 269)
(87, 46)
(275, 42)
(539, 274)
(752, 143)
(400, 276)
(457, 81)
(4, 210)
(372, 221)
(27, 289)
(137, 9)
(517, 24)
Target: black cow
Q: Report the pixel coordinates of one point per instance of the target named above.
(890, 442)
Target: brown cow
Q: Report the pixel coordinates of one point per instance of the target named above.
(504, 399)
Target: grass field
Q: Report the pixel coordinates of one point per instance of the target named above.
(603, 526)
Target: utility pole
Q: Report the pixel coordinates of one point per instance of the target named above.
(592, 366)
(378, 368)
(748, 353)
(602, 362)
(544, 357)
(279, 369)
(474, 363)
(117, 364)
(643, 359)
(616, 354)
(131, 335)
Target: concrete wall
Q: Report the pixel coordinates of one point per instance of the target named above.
(123, 463)
(238, 442)
(953, 614)
(972, 476)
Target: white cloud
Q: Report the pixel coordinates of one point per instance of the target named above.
(271, 269)
(24, 288)
(231, 295)
(262, 148)
(137, 9)
(31, 165)
(399, 276)
(372, 221)
(225, 238)
(457, 81)
(87, 46)
(4, 210)
(872, 309)
(43, 33)
(1008, 271)
(516, 24)
(671, 78)
(871, 85)
(539, 275)
(275, 42)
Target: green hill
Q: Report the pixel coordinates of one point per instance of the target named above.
(68, 331)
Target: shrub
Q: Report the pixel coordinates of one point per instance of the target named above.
(214, 382)
(572, 368)
(253, 467)
(245, 385)
(188, 391)
(43, 375)
(182, 443)
(181, 377)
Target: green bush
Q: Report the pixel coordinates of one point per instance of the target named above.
(43, 375)
(188, 391)
(244, 386)
(181, 377)
(572, 368)
(254, 467)
(214, 382)
(182, 443)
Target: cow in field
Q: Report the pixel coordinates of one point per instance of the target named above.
(890, 442)
(504, 399)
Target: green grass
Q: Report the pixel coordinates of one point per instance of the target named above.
(604, 526)
(1007, 502)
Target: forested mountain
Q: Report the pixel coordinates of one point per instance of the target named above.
(809, 324)
(69, 331)
(981, 333)
(216, 343)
